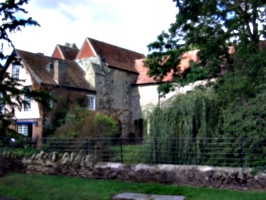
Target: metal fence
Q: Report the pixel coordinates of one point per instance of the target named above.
(223, 152)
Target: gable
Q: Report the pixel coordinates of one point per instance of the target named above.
(65, 52)
(57, 53)
(85, 51)
(113, 56)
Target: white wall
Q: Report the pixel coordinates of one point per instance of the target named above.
(149, 96)
(34, 111)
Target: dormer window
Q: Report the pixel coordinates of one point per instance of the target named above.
(15, 71)
(49, 67)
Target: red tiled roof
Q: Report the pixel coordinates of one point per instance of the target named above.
(67, 53)
(144, 78)
(36, 65)
(115, 56)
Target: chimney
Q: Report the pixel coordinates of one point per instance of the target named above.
(59, 71)
(71, 45)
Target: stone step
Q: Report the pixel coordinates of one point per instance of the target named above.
(139, 196)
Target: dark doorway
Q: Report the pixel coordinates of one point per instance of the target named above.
(138, 126)
(30, 130)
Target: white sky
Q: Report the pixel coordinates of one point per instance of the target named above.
(131, 24)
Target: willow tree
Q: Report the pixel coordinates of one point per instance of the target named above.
(179, 127)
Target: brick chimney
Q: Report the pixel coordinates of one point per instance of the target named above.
(59, 71)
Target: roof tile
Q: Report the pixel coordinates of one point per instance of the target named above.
(69, 53)
(144, 78)
(116, 56)
(36, 63)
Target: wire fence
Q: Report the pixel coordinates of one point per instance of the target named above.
(222, 152)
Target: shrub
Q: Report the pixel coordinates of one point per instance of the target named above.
(81, 122)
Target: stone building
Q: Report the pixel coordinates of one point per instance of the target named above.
(112, 79)
(110, 71)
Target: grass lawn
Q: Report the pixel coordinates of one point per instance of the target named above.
(44, 187)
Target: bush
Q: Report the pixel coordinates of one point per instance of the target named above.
(81, 122)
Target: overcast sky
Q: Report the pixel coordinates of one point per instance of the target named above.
(131, 24)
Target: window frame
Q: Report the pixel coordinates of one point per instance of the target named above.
(27, 107)
(91, 102)
(23, 129)
(51, 102)
(15, 70)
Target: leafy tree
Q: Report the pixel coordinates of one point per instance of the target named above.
(11, 89)
(212, 27)
(227, 35)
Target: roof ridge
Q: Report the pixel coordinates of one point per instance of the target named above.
(64, 46)
(116, 46)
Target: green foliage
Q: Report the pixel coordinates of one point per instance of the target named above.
(11, 22)
(241, 92)
(131, 154)
(211, 27)
(104, 126)
(60, 110)
(227, 35)
(188, 116)
(80, 122)
(245, 79)
(26, 150)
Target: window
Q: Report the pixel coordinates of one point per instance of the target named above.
(15, 71)
(27, 105)
(27, 100)
(51, 102)
(91, 102)
(49, 67)
(23, 129)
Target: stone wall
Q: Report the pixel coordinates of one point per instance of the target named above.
(87, 166)
(10, 163)
(113, 90)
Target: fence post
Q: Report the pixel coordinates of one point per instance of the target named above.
(242, 152)
(34, 142)
(156, 150)
(87, 146)
(121, 151)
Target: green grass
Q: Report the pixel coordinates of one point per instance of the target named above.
(130, 154)
(44, 187)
